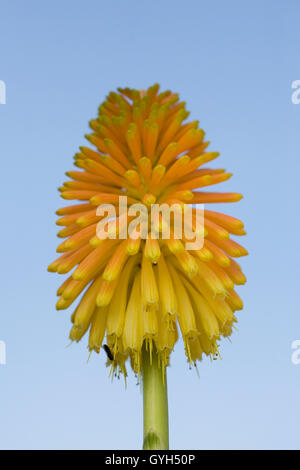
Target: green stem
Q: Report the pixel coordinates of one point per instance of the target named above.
(156, 422)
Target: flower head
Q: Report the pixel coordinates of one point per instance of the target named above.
(140, 289)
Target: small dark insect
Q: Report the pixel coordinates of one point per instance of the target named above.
(108, 352)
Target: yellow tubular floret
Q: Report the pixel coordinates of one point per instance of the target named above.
(186, 316)
(97, 330)
(167, 296)
(149, 291)
(87, 306)
(133, 327)
(117, 307)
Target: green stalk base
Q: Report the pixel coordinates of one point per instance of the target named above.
(156, 421)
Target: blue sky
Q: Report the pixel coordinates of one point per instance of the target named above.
(233, 63)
